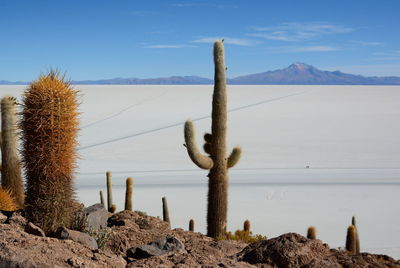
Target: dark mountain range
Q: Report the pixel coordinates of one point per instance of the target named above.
(295, 74)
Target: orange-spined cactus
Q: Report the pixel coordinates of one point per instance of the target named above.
(49, 135)
(7, 202)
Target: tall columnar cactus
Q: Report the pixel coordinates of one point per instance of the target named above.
(49, 136)
(351, 237)
(246, 226)
(353, 222)
(128, 194)
(312, 232)
(11, 178)
(217, 161)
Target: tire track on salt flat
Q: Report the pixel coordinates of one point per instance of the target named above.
(181, 123)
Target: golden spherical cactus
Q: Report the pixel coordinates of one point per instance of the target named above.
(7, 202)
(49, 136)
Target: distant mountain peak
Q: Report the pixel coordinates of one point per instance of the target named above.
(300, 66)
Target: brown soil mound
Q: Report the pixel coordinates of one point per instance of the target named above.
(131, 229)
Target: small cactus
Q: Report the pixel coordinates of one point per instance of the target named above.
(113, 208)
(246, 226)
(312, 232)
(165, 211)
(7, 202)
(128, 194)
(11, 178)
(191, 225)
(353, 222)
(102, 199)
(351, 244)
(109, 191)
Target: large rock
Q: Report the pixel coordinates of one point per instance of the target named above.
(293, 250)
(82, 238)
(96, 216)
(290, 250)
(30, 228)
(165, 246)
(131, 229)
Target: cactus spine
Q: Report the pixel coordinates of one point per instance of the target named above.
(49, 136)
(246, 226)
(11, 167)
(217, 161)
(191, 225)
(353, 222)
(351, 238)
(165, 211)
(312, 232)
(128, 194)
(102, 199)
(7, 202)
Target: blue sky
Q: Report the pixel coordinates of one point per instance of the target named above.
(93, 39)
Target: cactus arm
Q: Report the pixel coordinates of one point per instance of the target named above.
(234, 157)
(200, 160)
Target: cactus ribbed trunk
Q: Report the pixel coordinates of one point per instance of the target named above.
(353, 222)
(109, 191)
(128, 194)
(165, 211)
(11, 166)
(312, 232)
(215, 145)
(246, 226)
(102, 199)
(351, 238)
(191, 225)
(218, 177)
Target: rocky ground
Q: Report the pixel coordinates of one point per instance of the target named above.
(136, 240)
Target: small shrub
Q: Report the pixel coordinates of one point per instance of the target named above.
(79, 219)
(142, 213)
(102, 236)
(244, 236)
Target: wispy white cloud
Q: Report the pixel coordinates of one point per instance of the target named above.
(366, 44)
(170, 46)
(297, 31)
(388, 55)
(294, 49)
(228, 40)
